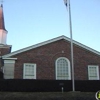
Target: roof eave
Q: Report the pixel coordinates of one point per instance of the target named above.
(50, 41)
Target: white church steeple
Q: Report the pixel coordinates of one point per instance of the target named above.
(4, 48)
(3, 31)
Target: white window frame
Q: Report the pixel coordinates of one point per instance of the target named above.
(24, 70)
(69, 70)
(97, 70)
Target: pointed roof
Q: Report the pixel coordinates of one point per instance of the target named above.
(50, 41)
(2, 24)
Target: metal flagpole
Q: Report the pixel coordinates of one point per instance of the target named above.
(71, 38)
(72, 60)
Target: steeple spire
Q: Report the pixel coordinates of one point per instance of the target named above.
(3, 31)
(4, 48)
(2, 24)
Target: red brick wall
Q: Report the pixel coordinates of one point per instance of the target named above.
(45, 57)
(4, 51)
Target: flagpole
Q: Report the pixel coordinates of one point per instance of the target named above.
(71, 39)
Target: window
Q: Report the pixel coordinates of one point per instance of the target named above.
(63, 69)
(29, 71)
(93, 72)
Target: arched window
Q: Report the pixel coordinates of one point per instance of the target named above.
(63, 69)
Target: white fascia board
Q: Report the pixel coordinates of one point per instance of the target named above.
(9, 58)
(9, 61)
(86, 47)
(34, 46)
(50, 41)
(5, 46)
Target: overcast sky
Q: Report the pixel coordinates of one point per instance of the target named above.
(33, 21)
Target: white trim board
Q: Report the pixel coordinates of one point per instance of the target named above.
(50, 41)
(9, 61)
(5, 46)
(9, 58)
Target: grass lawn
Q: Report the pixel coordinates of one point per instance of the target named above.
(47, 96)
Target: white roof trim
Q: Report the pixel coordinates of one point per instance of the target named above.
(50, 41)
(9, 58)
(5, 46)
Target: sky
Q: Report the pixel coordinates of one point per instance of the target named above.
(29, 22)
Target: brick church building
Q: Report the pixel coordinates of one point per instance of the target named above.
(47, 60)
